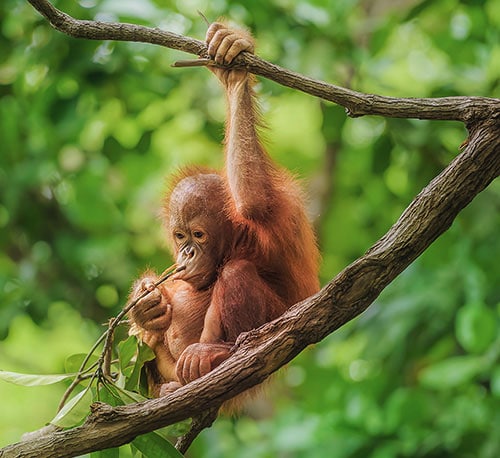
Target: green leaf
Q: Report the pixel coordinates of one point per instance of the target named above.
(152, 444)
(74, 362)
(452, 372)
(33, 380)
(476, 327)
(128, 396)
(108, 453)
(109, 395)
(75, 410)
(145, 354)
(132, 382)
(126, 349)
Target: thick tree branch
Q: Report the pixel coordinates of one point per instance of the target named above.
(356, 103)
(260, 352)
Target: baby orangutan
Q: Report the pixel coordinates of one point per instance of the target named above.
(242, 235)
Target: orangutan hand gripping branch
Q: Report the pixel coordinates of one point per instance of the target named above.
(242, 235)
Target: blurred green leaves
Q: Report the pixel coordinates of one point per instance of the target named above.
(452, 372)
(477, 326)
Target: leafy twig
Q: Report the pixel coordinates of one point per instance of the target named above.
(103, 363)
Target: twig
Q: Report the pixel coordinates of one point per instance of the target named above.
(199, 423)
(107, 352)
(102, 365)
(165, 275)
(202, 62)
(207, 22)
(82, 374)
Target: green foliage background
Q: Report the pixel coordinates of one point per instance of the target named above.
(89, 130)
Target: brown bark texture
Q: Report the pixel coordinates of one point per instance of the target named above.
(259, 353)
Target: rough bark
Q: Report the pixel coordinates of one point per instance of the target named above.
(259, 353)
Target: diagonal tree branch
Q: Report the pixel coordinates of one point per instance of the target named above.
(356, 103)
(261, 352)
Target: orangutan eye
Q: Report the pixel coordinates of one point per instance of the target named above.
(198, 234)
(179, 235)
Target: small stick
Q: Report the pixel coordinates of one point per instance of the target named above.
(164, 276)
(108, 350)
(203, 62)
(200, 422)
(204, 18)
